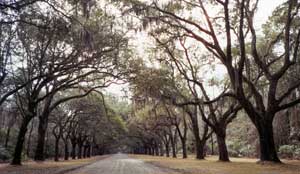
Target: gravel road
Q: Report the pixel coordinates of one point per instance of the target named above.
(121, 164)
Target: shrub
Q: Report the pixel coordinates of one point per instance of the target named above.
(4, 154)
(287, 151)
(233, 153)
(297, 153)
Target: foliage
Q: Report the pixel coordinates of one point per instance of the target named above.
(289, 151)
(5, 155)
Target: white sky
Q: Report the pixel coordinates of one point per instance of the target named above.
(265, 8)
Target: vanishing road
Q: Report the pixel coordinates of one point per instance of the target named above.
(121, 164)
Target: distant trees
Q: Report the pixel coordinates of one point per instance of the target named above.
(158, 88)
(205, 69)
(216, 114)
(79, 123)
(256, 69)
(48, 49)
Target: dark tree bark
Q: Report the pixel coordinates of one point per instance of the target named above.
(166, 141)
(56, 157)
(199, 142)
(28, 149)
(173, 144)
(200, 145)
(182, 134)
(22, 133)
(184, 148)
(156, 149)
(57, 133)
(79, 150)
(20, 141)
(212, 144)
(152, 150)
(268, 150)
(85, 148)
(43, 124)
(182, 137)
(223, 152)
(89, 151)
(218, 120)
(161, 149)
(167, 148)
(145, 150)
(7, 137)
(66, 143)
(73, 152)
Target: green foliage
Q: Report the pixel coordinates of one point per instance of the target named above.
(174, 6)
(297, 153)
(289, 151)
(5, 155)
(240, 149)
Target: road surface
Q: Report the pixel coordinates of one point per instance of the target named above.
(121, 164)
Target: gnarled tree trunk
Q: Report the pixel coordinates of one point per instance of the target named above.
(223, 152)
(39, 152)
(66, 150)
(20, 141)
(268, 150)
(56, 157)
(73, 152)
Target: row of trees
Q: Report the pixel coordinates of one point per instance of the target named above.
(207, 67)
(260, 70)
(160, 121)
(53, 52)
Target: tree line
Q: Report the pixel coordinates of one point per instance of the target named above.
(257, 70)
(54, 53)
(205, 69)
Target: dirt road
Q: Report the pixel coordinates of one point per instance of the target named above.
(121, 164)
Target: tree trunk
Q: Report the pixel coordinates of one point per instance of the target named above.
(28, 149)
(182, 138)
(167, 149)
(161, 151)
(88, 151)
(152, 150)
(79, 152)
(212, 144)
(20, 141)
(184, 151)
(66, 150)
(200, 152)
(156, 149)
(223, 153)
(173, 144)
(199, 145)
(266, 139)
(85, 151)
(7, 136)
(73, 153)
(56, 157)
(43, 124)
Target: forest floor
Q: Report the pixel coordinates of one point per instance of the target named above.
(212, 166)
(48, 167)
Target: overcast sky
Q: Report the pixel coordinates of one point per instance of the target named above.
(265, 8)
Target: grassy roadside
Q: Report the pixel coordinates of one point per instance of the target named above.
(212, 166)
(47, 167)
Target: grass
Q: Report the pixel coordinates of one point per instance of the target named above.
(212, 166)
(46, 167)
